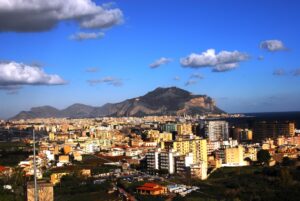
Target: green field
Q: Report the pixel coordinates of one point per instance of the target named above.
(249, 183)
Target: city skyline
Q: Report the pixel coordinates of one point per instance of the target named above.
(244, 55)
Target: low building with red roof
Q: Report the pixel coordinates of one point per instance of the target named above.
(151, 189)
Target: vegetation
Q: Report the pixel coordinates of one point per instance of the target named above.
(249, 184)
(11, 153)
(263, 156)
(73, 188)
(17, 181)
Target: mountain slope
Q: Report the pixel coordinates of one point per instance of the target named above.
(161, 101)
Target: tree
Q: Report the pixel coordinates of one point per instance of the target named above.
(286, 161)
(263, 156)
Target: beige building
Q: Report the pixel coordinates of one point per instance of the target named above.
(45, 191)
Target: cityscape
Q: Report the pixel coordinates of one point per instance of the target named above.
(149, 100)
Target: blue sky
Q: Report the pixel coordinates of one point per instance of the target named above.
(150, 30)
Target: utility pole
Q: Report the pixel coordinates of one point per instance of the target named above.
(34, 166)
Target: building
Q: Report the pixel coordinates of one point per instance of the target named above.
(196, 146)
(167, 162)
(184, 128)
(169, 127)
(152, 159)
(151, 189)
(45, 191)
(199, 170)
(216, 130)
(182, 163)
(213, 146)
(241, 134)
(272, 129)
(234, 156)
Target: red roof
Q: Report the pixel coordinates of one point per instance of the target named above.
(2, 168)
(150, 187)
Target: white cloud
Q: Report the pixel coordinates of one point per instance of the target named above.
(225, 67)
(209, 58)
(108, 80)
(159, 62)
(13, 75)
(42, 15)
(272, 45)
(86, 35)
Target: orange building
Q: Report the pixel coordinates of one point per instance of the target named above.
(151, 189)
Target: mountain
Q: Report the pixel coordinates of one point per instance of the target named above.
(161, 101)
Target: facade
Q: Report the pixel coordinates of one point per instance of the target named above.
(234, 156)
(166, 161)
(272, 129)
(196, 146)
(199, 170)
(169, 127)
(152, 160)
(45, 191)
(184, 128)
(216, 130)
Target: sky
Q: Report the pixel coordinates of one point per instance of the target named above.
(244, 54)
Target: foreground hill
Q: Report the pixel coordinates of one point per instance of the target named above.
(161, 101)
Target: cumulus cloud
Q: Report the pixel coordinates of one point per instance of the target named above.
(13, 75)
(190, 82)
(279, 72)
(107, 80)
(37, 15)
(272, 45)
(220, 62)
(225, 67)
(196, 76)
(159, 62)
(86, 36)
(92, 70)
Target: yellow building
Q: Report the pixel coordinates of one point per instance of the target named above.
(51, 136)
(55, 177)
(197, 146)
(234, 156)
(164, 137)
(64, 159)
(153, 134)
(184, 129)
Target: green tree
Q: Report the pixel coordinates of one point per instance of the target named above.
(263, 156)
